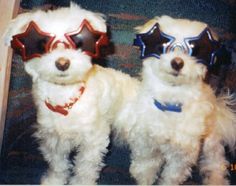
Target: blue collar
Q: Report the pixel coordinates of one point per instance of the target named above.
(177, 107)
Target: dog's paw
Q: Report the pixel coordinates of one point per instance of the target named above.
(144, 175)
(83, 181)
(215, 178)
(53, 178)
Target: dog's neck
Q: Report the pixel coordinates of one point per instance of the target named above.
(64, 109)
(158, 87)
(169, 97)
(57, 98)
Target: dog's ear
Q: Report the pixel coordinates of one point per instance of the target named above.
(223, 55)
(201, 71)
(214, 34)
(16, 26)
(146, 27)
(97, 20)
(30, 69)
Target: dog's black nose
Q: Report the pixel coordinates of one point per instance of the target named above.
(62, 63)
(177, 63)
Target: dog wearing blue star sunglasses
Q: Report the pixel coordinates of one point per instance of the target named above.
(76, 99)
(176, 121)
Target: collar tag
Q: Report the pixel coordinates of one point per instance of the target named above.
(64, 109)
(177, 107)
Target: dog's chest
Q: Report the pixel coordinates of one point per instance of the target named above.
(178, 116)
(65, 110)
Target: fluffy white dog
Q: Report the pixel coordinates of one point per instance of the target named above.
(76, 100)
(176, 115)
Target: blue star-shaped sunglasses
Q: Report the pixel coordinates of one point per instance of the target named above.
(154, 43)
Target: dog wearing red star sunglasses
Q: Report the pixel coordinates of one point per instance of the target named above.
(176, 121)
(76, 100)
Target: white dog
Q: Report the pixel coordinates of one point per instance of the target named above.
(76, 100)
(176, 114)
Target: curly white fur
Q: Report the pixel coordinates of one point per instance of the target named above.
(87, 125)
(169, 139)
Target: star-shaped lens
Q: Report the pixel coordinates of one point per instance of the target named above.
(153, 43)
(32, 43)
(203, 47)
(87, 39)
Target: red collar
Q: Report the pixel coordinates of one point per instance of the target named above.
(64, 110)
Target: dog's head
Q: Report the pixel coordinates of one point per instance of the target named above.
(58, 45)
(179, 51)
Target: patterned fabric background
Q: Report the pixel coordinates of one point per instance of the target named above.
(21, 162)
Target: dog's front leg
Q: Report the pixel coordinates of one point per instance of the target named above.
(213, 165)
(55, 152)
(178, 165)
(145, 164)
(88, 162)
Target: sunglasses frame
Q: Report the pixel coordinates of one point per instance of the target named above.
(103, 40)
(19, 46)
(185, 46)
(139, 42)
(210, 37)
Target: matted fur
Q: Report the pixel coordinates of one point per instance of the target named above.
(169, 139)
(87, 125)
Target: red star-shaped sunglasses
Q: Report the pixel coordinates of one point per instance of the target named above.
(34, 42)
